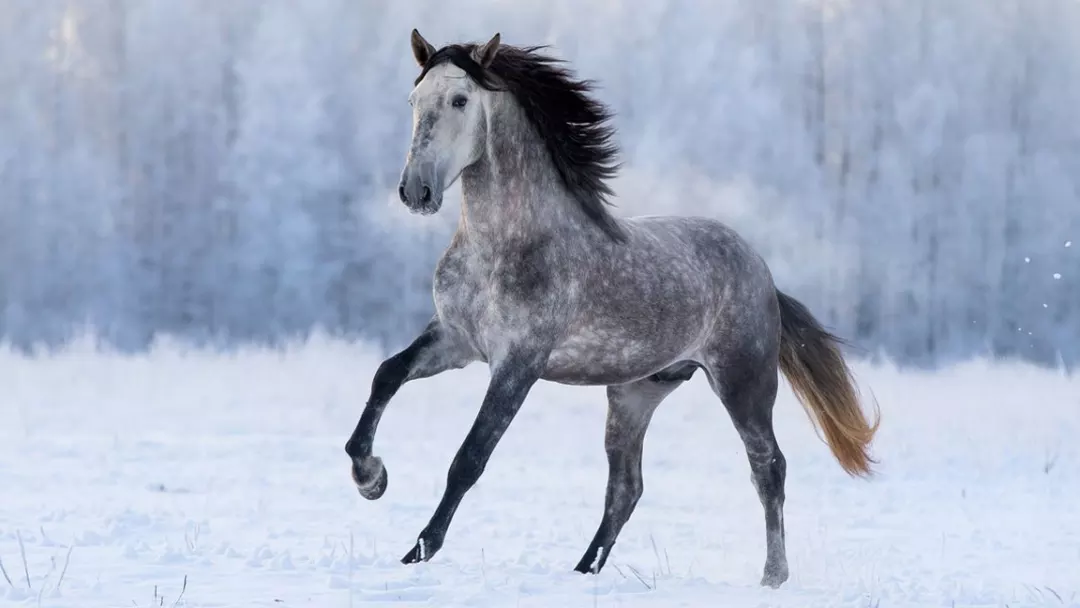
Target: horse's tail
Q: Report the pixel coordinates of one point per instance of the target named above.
(810, 359)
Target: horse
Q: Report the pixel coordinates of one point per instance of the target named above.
(541, 281)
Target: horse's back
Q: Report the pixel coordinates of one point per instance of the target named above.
(712, 246)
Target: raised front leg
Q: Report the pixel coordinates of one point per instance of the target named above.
(510, 382)
(431, 353)
(630, 408)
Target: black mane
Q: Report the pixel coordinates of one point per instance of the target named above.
(574, 126)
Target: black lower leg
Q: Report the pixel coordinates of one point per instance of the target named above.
(509, 385)
(624, 489)
(390, 376)
(429, 354)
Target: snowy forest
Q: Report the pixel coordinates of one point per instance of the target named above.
(224, 172)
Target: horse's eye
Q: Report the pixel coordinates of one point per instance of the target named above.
(459, 101)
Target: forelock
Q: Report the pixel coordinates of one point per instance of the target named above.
(460, 56)
(444, 72)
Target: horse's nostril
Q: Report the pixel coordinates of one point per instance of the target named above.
(426, 196)
(401, 192)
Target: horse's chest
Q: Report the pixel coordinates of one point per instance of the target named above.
(458, 293)
(487, 299)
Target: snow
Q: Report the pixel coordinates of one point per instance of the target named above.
(223, 477)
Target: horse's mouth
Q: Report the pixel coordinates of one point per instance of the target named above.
(425, 209)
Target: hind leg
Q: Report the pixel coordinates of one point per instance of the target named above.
(749, 395)
(630, 408)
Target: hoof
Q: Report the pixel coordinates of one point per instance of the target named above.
(593, 561)
(583, 569)
(371, 478)
(422, 552)
(414, 556)
(774, 577)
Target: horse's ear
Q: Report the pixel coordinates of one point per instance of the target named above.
(421, 49)
(486, 54)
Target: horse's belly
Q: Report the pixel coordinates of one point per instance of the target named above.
(601, 358)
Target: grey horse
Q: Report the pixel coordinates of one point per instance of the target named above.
(541, 282)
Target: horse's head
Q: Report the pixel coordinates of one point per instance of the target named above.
(449, 109)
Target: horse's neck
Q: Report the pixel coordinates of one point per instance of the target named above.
(513, 195)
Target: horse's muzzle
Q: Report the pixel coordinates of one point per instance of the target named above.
(419, 191)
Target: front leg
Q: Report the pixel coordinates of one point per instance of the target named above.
(432, 352)
(511, 380)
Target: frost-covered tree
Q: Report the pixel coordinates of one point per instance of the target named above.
(225, 171)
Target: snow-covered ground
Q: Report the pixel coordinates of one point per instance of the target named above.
(132, 475)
